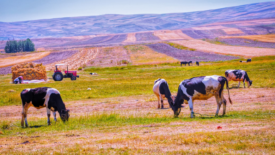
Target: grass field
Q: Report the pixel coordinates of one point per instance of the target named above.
(138, 80)
(133, 125)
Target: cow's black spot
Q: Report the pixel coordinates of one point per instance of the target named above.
(164, 89)
(194, 84)
(238, 74)
(222, 81)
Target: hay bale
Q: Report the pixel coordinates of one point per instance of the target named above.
(29, 71)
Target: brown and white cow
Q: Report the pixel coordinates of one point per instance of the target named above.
(238, 75)
(201, 88)
(161, 90)
(43, 97)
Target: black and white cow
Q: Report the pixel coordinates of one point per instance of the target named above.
(40, 98)
(238, 75)
(161, 90)
(197, 63)
(248, 60)
(183, 63)
(201, 88)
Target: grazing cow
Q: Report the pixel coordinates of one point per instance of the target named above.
(161, 89)
(201, 88)
(197, 63)
(248, 60)
(238, 75)
(40, 98)
(183, 63)
(190, 62)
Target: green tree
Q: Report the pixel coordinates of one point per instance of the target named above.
(13, 46)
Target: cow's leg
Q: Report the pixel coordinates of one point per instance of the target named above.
(49, 115)
(161, 101)
(224, 105)
(239, 84)
(219, 102)
(244, 83)
(158, 102)
(54, 115)
(190, 103)
(24, 114)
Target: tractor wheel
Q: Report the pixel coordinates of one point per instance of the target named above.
(73, 77)
(58, 76)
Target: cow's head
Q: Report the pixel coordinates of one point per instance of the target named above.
(177, 112)
(176, 107)
(65, 115)
(249, 83)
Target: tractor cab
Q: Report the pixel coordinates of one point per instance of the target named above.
(58, 76)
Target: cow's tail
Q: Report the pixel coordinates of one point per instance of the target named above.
(228, 91)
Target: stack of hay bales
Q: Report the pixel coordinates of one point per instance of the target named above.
(29, 71)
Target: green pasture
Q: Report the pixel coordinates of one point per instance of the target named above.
(138, 80)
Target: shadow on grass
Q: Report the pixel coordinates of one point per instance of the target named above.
(37, 126)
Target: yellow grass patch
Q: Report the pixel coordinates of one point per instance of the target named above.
(171, 34)
(264, 38)
(224, 49)
(140, 54)
(131, 37)
(232, 31)
(4, 62)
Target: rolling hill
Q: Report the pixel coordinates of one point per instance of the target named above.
(114, 23)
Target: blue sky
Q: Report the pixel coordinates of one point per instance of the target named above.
(22, 10)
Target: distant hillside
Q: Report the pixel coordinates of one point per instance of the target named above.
(113, 23)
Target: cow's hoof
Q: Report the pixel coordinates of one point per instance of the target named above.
(192, 115)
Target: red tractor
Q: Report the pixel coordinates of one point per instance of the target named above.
(58, 76)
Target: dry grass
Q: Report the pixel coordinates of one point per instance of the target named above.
(9, 61)
(224, 49)
(131, 37)
(80, 59)
(141, 54)
(264, 38)
(171, 35)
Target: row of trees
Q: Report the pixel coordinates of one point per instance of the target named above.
(14, 46)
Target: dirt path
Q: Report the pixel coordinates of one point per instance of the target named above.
(131, 37)
(9, 61)
(223, 49)
(243, 99)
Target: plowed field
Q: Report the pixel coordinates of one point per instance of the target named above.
(224, 49)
